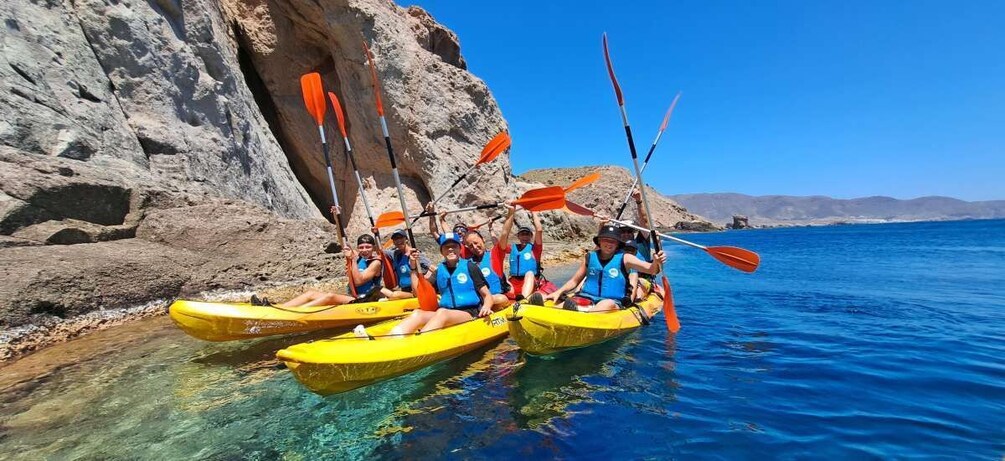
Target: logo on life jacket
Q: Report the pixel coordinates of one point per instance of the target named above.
(526, 256)
(485, 271)
(613, 272)
(462, 278)
(403, 269)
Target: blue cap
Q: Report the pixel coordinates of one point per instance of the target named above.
(447, 238)
(399, 233)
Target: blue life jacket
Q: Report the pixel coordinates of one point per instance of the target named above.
(403, 267)
(367, 287)
(495, 283)
(522, 261)
(457, 290)
(608, 281)
(645, 252)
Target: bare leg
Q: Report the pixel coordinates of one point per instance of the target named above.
(329, 299)
(446, 318)
(400, 295)
(600, 306)
(413, 322)
(529, 282)
(305, 298)
(499, 299)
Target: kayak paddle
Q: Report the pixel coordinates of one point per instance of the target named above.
(543, 199)
(652, 148)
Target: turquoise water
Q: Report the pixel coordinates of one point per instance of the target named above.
(881, 341)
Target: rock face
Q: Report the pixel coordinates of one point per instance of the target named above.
(606, 194)
(155, 149)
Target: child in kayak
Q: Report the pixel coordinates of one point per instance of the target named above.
(400, 261)
(525, 269)
(605, 274)
(464, 293)
(475, 244)
(364, 277)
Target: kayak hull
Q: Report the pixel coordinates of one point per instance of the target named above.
(346, 362)
(229, 322)
(540, 330)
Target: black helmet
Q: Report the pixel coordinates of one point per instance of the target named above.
(610, 232)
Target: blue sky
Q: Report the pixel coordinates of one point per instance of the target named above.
(840, 98)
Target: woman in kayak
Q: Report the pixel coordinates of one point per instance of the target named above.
(475, 244)
(464, 293)
(604, 273)
(401, 263)
(364, 277)
(525, 259)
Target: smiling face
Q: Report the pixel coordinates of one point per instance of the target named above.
(399, 243)
(451, 252)
(474, 243)
(608, 246)
(365, 250)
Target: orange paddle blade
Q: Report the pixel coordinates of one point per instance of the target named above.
(338, 113)
(496, 146)
(425, 292)
(744, 260)
(583, 181)
(388, 244)
(578, 209)
(373, 77)
(314, 96)
(610, 71)
(543, 199)
(388, 273)
(391, 218)
(669, 312)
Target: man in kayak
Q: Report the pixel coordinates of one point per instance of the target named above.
(399, 257)
(632, 248)
(525, 269)
(364, 278)
(605, 273)
(464, 293)
(475, 244)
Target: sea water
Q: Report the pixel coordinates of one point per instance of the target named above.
(849, 342)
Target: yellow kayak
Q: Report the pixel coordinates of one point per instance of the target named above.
(346, 362)
(541, 330)
(227, 322)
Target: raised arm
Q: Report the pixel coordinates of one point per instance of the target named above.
(538, 229)
(652, 268)
(507, 226)
(433, 230)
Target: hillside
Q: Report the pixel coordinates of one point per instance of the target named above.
(770, 210)
(605, 196)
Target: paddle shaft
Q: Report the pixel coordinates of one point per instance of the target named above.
(359, 181)
(665, 236)
(397, 179)
(331, 182)
(635, 182)
(461, 210)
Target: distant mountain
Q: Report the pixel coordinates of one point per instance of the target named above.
(771, 210)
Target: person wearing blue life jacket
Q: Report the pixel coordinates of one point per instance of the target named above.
(400, 261)
(632, 248)
(475, 244)
(641, 238)
(464, 292)
(364, 275)
(604, 273)
(525, 269)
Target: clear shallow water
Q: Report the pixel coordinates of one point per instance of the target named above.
(849, 342)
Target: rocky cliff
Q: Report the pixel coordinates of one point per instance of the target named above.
(160, 148)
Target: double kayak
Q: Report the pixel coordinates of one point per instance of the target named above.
(227, 321)
(347, 362)
(543, 330)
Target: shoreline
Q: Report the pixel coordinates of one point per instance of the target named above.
(19, 342)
